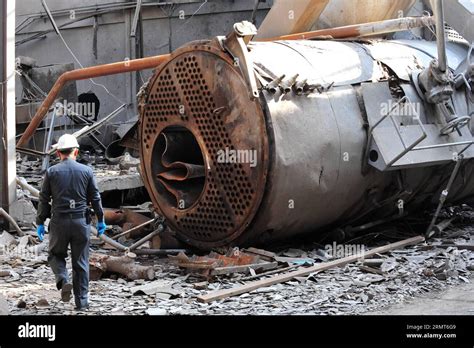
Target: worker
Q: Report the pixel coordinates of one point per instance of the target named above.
(71, 186)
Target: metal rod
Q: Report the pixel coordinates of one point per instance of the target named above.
(146, 238)
(135, 18)
(440, 36)
(440, 227)
(467, 147)
(254, 12)
(361, 30)
(133, 229)
(75, 119)
(109, 241)
(427, 147)
(442, 197)
(89, 129)
(30, 152)
(49, 140)
(83, 74)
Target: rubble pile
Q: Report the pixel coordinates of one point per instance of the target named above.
(118, 173)
(369, 284)
(134, 269)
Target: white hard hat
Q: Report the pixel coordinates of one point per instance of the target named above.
(67, 141)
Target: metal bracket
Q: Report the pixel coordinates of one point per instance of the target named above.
(413, 146)
(236, 44)
(406, 148)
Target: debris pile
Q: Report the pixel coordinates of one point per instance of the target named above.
(128, 276)
(355, 288)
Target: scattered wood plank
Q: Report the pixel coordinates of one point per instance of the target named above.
(281, 278)
(264, 254)
(264, 274)
(244, 268)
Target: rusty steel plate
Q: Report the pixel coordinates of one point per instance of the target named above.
(204, 148)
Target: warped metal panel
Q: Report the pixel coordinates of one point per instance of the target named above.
(325, 62)
(289, 17)
(406, 56)
(346, 12)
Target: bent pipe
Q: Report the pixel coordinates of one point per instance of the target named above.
(83, 74)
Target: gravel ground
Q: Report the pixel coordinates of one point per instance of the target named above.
(28, 286)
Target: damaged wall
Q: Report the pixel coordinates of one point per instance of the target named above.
(106, 37)
(7, 107)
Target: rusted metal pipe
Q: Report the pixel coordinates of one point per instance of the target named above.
(360, 30)
(83, 74)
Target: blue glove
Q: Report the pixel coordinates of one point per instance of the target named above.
(40, 232)
(100, 228)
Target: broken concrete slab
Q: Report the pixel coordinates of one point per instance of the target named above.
(23, 242)
(115, 181)
(6, 239)
(159, 286)
(156, 311)
(4, 309)
(23, 211)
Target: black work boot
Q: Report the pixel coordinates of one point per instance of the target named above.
(82, 308)
(66, 290)
(81, 303)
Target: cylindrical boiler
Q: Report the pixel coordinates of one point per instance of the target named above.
(228, 168)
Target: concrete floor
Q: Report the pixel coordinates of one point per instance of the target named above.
(457, 300)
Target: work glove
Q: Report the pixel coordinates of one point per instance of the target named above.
(100, 228)
(40, 232)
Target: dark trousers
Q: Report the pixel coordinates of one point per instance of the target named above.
(76, 233)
